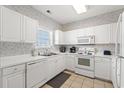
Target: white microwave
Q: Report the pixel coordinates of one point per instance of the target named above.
(86, 40)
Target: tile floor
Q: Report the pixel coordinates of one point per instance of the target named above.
(79, 81)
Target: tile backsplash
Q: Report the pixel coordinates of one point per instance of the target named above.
(14, 48)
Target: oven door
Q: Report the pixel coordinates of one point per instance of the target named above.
(85, 62)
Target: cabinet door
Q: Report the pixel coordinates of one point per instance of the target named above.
(16, 80)
(102, 68)
(113, 32)
(102, 34)
(60, 64)
(30, 29)
(70, 62)
(85, 32)
(11, 25)
(51, 68)
(70, 37)
(58, 37)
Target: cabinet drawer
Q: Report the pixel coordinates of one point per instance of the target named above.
(13, 69)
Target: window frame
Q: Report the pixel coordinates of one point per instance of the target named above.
(50, 39)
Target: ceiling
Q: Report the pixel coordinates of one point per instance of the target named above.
(66, 14)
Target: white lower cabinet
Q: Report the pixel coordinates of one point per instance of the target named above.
(60, 65)
(103, 68)
(14, 77)
(70, 62)
(51, 68)
(55, 65)
(16, 80)
(40, 71)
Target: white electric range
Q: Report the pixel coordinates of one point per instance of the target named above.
(85, 62)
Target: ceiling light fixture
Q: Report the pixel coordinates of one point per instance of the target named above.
(80, 8)
(48, 11)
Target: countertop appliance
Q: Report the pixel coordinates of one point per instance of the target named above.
(73, 50)
(85, 62)
(62, 49)
(118, 75)
(86, 39)
(86, 51)
(107, 52)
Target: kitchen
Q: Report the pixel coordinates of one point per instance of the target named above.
(41, 47)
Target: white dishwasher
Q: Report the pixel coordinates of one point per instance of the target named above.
(36, 73)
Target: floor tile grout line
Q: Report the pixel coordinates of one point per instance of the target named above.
(71, 83)
(82, 83)
(93, 83)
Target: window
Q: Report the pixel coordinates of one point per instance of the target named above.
(43, 38)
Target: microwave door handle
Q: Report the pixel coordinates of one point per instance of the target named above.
(117, 35)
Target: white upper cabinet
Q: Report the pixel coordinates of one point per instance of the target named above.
(85, 32)
(11, 25)
(58, 37)
(15, 27)
(70, 37)
(30, 29)
(102, 34)
(113, 32)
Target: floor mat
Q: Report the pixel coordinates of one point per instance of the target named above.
(59, 80)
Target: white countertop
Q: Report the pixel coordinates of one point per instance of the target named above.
(101, 55)
(20, 59)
